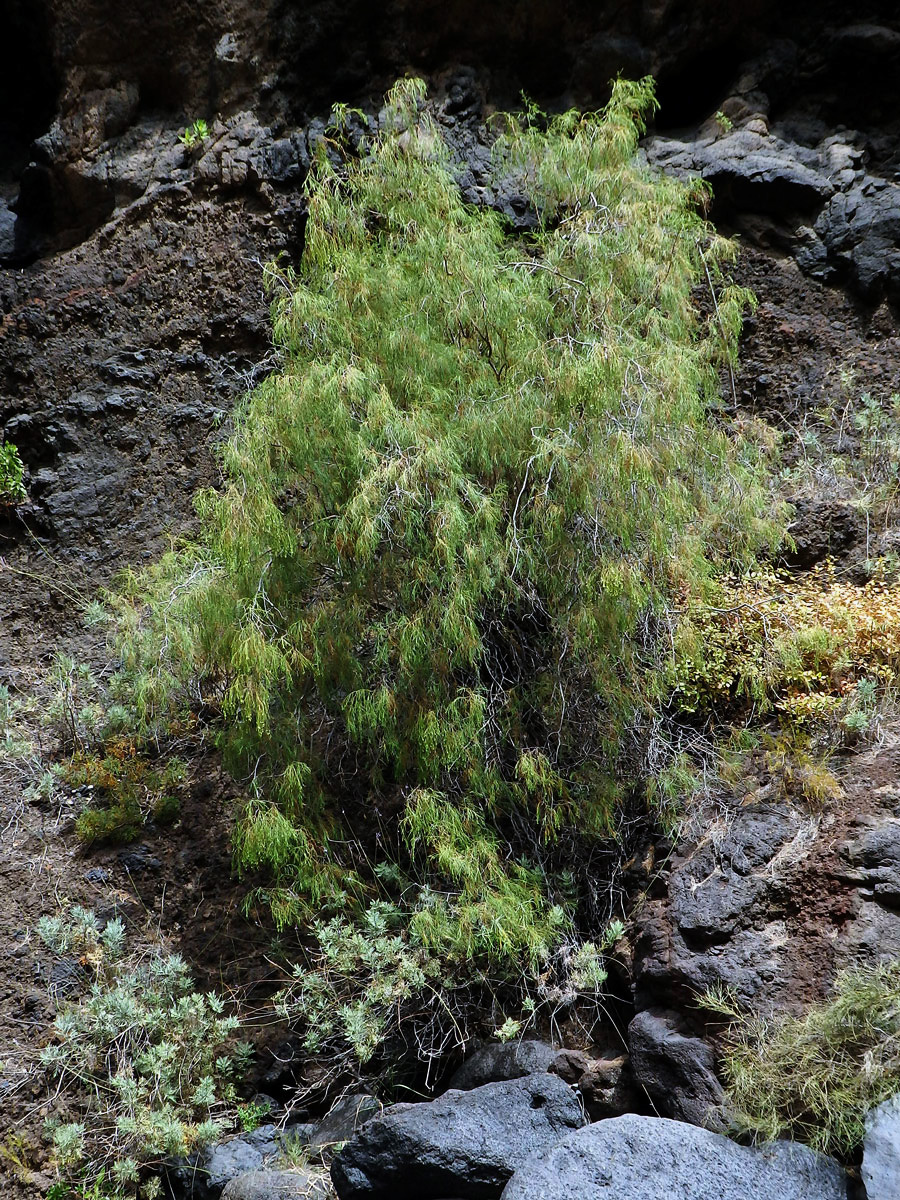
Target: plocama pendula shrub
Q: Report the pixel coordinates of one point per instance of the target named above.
(426, 596)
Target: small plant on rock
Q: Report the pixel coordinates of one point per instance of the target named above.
(194, 135)
(12, 487)
(252, 1114)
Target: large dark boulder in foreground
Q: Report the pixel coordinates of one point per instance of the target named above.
(464, 1144)
(650, 1158)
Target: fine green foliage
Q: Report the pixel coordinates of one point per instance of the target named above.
(814, 1078)
(426, 601)
(150, 1061)
(849, 448)
(12, 487)
(129, 782)
(252, 1114)
(126, 792)
(194, 135)
(393, 979)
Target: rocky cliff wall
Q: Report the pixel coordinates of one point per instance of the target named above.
(132, 315)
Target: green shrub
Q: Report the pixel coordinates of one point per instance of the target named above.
(815, 648)
(194, 135)
(849, 447)
(396, 978)
(426, 600)
(252, 1114)
(12, 487)
(130, 782)
(126, 791)
(151, 1062)
(813, 1078)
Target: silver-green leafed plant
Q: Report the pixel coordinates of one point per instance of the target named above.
(151, 1062)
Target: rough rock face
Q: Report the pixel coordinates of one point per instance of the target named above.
(111, 80)
(739, 913)
(843, 225)
(872, 857)
(881, 1152)
(676, 1072)
(347, 1116)
(772, 903)
(605, 1084)
(205, 1175)
(495, 1062)
(824, 526)
(720, 922)
(464, 1144)
(748, 169)
(277, 1185)
(647, 1158)
(858, 234)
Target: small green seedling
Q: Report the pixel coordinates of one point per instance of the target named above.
(12, 489)
(194, 135)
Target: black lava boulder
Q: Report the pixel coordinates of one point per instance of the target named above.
(464, 1144)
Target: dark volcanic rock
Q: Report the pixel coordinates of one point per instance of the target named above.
(824, 526)
(851, 230)
(730, 874)
(206, 1173)
(605, 1084)
(464, 1144)
(647, 1158)
(347, 1116)
(277, 1185)
(748, 169)
(873, 865)
(723, 921)
(861, 232)
(496, 1062)
(874, 858)
(677, 1072)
